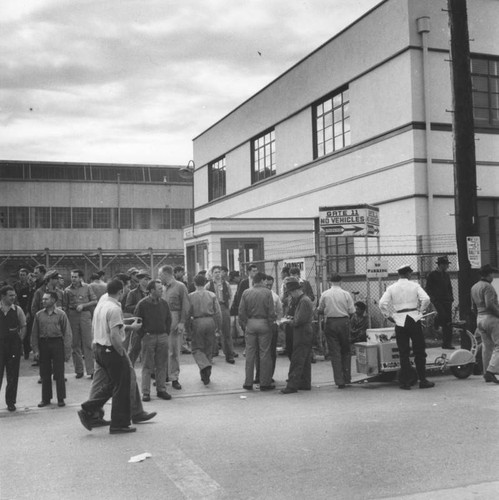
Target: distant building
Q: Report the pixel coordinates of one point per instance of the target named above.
(91, 215)
(346, 126)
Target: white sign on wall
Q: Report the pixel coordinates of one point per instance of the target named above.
(377, 268)
(474, 251)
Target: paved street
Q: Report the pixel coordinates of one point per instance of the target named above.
(366, 442)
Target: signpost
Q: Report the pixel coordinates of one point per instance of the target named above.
(355, 220)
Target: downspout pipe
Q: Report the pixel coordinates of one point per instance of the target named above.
(423, 26)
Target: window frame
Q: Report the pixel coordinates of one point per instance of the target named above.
(258, 144)
(489, 76)
(217, 178)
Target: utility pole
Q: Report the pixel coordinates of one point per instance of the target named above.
(464, 152)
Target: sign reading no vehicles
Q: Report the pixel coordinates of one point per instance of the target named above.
(352, 220)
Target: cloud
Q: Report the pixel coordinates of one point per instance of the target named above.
(128, 80)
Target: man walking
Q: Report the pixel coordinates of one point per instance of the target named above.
(23, 296)
(78, 301)
(12, 332)
(300, 369)
(221, 289)
(175, 293)
(110, 355)
(51, 340)
(439, 288)
(156, 323)
(206, 317)
(256, 316)
(337, 306)
(404, 302)
(486, 306)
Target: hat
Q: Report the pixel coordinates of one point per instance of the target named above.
(443, 260)
(292, 284)
(335, 278)
(406, 268)
(52, 275)
(143, 274)
(132, 270)
(488, 269)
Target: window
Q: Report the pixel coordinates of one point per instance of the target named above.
(82, 218)
(18, 217)
(216, 179)
(4, 217)
(160, 218)
(102, 218)
(485, 82)
(332, 123)
(141, 218)
(340, 254)
(263, 156)
(180, 217)
(125, 218)
(40, 217)
(61, 218)
(11, 171)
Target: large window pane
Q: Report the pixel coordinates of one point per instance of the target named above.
(40, 217)
(82, 218)
(18, 217)
(264, 156)
(61, 218)
(141, 218)
(102, 218)
(217, 179)
(485, 90)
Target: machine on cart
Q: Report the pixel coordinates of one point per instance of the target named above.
(379, 359)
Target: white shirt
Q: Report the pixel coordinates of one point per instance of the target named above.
(336, 303)
(404, 295)
(107, 315)
(277, 305)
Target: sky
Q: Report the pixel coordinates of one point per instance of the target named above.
(134, 81)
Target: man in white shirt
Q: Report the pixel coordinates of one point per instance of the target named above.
(337, 306)
(404, 302)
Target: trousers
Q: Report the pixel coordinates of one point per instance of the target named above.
(202, 340)
(411, 332)
(81, 326)
(488, 327)
(154, 360)
(10, 360)
(52, 362)
(258, 338)
(337, 333)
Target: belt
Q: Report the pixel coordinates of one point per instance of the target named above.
(337, 317)
(203, 316)
(258, 317)
(407, 310)
(155, 333)
(50, 338)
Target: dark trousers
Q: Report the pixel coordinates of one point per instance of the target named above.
(10, 358)
(117, 370)
(134, 347)
(337, 334)
(27, 338)
(300, 369)
(444, 319)
(288, 333)
(411, 332)
(52, 362)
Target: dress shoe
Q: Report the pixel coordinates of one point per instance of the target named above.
(426, 384)
(235, 355)
(448, 347)
(270, 387)
(405, 387)
(342, 386)
(39, 380)
(61, 403)
(41, 404)
(176, 385)
(146, 398)
(91, 376)
(305, 388)
(230, 361)
(256, 381)
(143, 417)
(99, 422)
(164, 395)
(490, 377)
(288, 390)
(121, 430)
(205, 377)
(11, 407)
(79, 375)
(85, 419)
(248, 387)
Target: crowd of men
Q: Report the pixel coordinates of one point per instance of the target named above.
(107, 326)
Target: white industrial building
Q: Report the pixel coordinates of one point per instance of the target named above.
(365, 119)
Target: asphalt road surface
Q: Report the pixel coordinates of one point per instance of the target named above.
(368, 441)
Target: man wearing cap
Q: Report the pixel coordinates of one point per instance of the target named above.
(256, 316)
(300, 369)
(404, 302)
(51, 340)
(337, 306)
(439, 288)
(206, 317)
(175, 293)
(133, 342)
(486, 306)
(78, 301)
(50, 284)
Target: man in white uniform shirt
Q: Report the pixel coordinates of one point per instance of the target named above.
(404, 302)
(110, 355)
